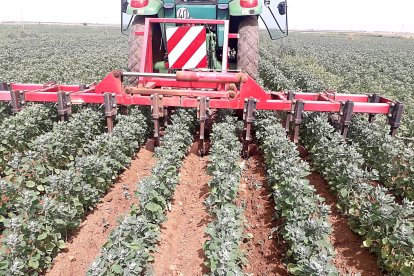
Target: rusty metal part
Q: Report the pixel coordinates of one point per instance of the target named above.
(346, 116)
(64, 105)
(157, 108)
(203, 114)
(373, 98)
(17, 100)
(249, 114)
(290, 95)
(177, 92)
(110, 110)
(297, 119)
(394, 117)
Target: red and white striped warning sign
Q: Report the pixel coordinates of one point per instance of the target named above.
(186, 47)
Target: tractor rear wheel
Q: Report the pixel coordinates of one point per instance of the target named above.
(248, 46)
(136, 42)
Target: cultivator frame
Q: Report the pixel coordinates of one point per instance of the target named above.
(201, 89)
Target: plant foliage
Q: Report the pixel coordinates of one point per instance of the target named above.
(224, 256)
(306, 229)
(34, 237)
(130, 245)
(392, 158)
(387, 227)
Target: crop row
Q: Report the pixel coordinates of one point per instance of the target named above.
(130, 245)
(306, 228)
(48, 154)
(391, 157)
(34, 237)
(16, 132)
(224, 256)
(387, 227)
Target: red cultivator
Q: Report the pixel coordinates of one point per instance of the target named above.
(201, 89)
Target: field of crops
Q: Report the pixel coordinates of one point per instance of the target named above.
(75, 200)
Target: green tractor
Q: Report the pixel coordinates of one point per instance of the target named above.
(243, 16)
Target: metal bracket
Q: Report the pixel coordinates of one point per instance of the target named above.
(83, 87)
(373, 98)
(289, 96)
(4, 86)
(203, 114)
(166, 116)
(249, 114)
(157, 108)
(346, 115)
(64, 105)
(18, 100)
(110, 109)
(394, 117)
(297, 119)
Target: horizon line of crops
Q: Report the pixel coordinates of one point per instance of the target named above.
(17, 131)
(47, 155)
(387, 227)
(389, 156)
(222, 249)
(306, 227)
(34, 237)
(130, 245)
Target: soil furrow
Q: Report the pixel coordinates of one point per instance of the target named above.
(351, 258)
(182, 236)
(94, 231)
(266, 249)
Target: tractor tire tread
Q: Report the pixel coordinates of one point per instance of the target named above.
(135, 45)
(248, 46)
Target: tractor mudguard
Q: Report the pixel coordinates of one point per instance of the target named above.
(152, 8)
(237, 10)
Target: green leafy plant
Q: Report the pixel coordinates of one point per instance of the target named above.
(17, 132)
(391, 157)
(130, 245)
(306, 228)
(224, 256)
(387, 227)
(34, 236)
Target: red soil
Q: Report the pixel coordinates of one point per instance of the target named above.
(85, 245)
(266, 250)
(180, 251)
(351, 258)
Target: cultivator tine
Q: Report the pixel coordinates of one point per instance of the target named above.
(157, 113)
(166, 116)
(203, 115)
(297, 119)
(64, 105)
(110, 109)
(249, 114)
(18, 100)
(290, 97)
(373, 98)
(394, 117)
(346, 116)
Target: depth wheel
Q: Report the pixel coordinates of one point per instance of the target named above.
(248, 46)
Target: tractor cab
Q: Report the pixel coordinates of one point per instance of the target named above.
(240, 38)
